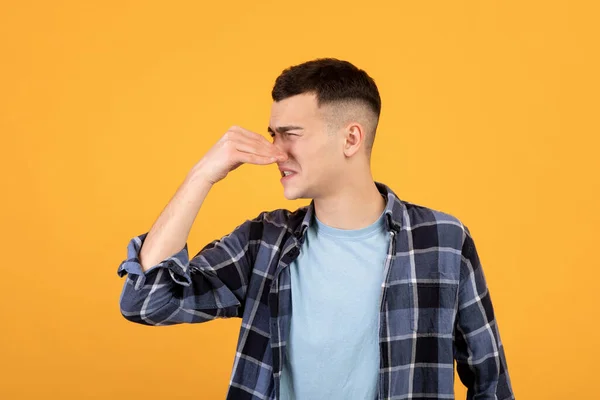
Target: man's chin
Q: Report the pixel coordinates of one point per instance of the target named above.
(292, 194)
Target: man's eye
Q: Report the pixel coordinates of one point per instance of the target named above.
(283, 134)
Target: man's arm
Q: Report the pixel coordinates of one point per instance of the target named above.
(163, 286)
(211, 285)
(479, 353)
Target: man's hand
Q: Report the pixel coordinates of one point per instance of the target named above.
(236, 147)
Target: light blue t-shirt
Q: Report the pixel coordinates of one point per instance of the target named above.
(333, 347)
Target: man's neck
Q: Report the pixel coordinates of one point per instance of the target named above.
(356, 206)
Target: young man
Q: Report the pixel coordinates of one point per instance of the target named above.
(359, 295)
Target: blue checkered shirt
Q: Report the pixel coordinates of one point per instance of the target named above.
(435, 305)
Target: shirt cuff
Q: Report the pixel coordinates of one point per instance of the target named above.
(177, 264)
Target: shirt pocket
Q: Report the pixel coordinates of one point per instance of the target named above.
(435, 301)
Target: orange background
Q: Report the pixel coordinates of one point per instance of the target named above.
(490, 113)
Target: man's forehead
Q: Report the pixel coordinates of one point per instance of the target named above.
(302, 106)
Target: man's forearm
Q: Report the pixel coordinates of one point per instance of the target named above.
(170, 232)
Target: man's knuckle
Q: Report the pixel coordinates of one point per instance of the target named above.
(229, 136)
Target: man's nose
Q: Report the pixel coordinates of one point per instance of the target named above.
(280, 145)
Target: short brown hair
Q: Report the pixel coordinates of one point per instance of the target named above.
(331, 80)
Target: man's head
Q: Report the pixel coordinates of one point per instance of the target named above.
(324, 117)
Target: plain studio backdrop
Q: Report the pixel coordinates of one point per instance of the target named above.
(490, 113)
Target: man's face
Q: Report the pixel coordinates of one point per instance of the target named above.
(298, 128)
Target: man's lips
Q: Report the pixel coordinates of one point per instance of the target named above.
(282, 171)
(288, 175)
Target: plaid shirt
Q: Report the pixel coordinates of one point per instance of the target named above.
(435, 305)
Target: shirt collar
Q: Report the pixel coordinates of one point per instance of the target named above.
(394, 210)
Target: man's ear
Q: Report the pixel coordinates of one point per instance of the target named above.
(354, 137)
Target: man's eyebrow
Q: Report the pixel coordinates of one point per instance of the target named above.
(283, 129)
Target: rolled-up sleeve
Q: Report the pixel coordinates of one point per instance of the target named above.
(211, 285)
(177, 264)
(479, 353)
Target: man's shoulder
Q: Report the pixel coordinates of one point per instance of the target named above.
(420, 213)
(282, 218)
(426, 220)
